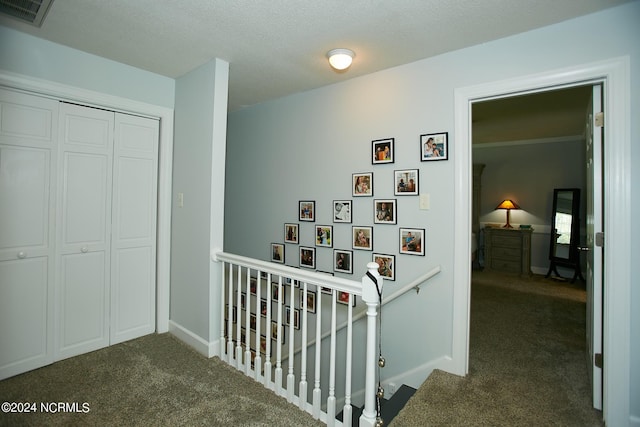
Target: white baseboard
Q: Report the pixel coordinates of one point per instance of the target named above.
(207, 349)
(415, 377)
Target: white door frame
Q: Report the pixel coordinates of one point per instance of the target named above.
(615, 75)
(165, 164)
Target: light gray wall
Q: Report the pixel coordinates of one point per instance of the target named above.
(190, 227)
(528, 174)
(27, 55)
(306, 146)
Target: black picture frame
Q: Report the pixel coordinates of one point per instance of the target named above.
(362, 184)
(406, 182)
(386, 265)
(291, 231)
(343, 261)
(342, 210)
(362, 237)
(382, 151)
(434, 146)
(412, 241)
(384, 211)
(277, 253)
(307, 210)
(307, 257)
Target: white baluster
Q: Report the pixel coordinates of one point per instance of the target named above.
(238, 330)
(346, 411)
(257, 362)
(291, 378)
(269, 334)
(317, 391)
(371, 298)
(302, 390)
(231, 318)
(331, 400)
(278, 372)
(222, 311)
(247, 338)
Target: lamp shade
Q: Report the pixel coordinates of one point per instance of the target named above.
(340, 59)
(508, 204)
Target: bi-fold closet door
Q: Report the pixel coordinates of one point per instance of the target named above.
(95, 281)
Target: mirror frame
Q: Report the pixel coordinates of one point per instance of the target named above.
(573, 257)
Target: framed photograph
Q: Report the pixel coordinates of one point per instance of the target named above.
(274, 293)
(325, 290)
(253, 285)
(252, 322)
(362, 238)
(263, 307)
(382, 151)
(434, 146)
(307, 257)
(289, 281)
(311, 301)
(277, 252)
(412, 241)
(243, 301)
(324, 236)
(263, 344)
(307, 210)
(342, 211)
(274, 332)
(296, 317)
(291, 233)
(406, 182)
(384, 211)
(386, 265)
(362, 184)
(342, 261)
(343, 298)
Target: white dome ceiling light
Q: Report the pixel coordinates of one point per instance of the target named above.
(340, 59)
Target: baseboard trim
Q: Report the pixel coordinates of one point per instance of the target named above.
(207, 349)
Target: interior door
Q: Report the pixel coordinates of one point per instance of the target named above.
(594, 249)
(28, 135)
(133, 272)
(84, 227)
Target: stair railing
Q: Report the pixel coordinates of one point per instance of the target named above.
(242, 284)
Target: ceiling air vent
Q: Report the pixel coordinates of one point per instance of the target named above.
(29, 11)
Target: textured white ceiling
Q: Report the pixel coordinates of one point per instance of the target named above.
(277, 47)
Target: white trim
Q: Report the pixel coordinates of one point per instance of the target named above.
(207, 349)
(615, 74)
(560, 139)
(165, 164)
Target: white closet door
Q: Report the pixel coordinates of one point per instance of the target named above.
(28, 132)
(83, 227)
(133, 272)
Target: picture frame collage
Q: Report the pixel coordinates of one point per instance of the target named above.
(406, 182)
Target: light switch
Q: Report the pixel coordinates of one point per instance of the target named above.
(424, 202)
(180, 200)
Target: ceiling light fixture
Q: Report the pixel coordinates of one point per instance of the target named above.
(340, 59)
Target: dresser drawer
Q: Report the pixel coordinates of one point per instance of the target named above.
(506, 253)
(506, 265)
(506, 241)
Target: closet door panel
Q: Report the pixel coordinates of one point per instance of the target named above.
(133, 290)
(84, 321)
(86, 199)
(24, 199)
(84, 227)
(28, 144)
(24, 315)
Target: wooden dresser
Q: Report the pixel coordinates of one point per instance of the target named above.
(508, 249)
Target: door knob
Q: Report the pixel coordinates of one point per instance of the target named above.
(584, 248)
(84, 249)
(22, 255)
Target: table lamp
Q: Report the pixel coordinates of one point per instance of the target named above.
(508, 205)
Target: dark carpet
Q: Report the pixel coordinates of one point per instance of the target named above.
(527, 360)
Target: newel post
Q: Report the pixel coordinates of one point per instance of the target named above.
(371, 297)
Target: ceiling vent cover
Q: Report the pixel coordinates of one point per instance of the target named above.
(29, 11)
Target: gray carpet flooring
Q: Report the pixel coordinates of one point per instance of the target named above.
(527, 361)
(151, 381)
(527, 368)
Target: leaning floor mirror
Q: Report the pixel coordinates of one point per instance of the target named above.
(565, 232)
